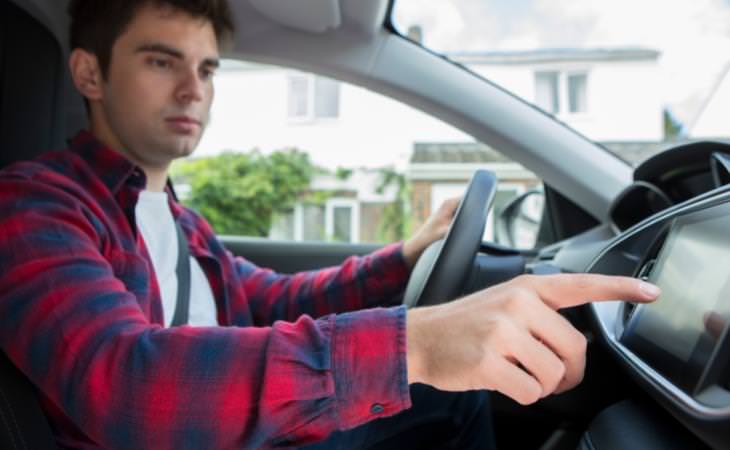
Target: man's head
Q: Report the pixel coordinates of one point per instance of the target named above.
(145, 68)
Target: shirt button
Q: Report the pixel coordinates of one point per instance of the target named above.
(377, 408)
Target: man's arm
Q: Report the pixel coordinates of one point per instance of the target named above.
(79, 333)
(377, 279)
(510, 337)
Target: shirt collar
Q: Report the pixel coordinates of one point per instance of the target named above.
(113, 168)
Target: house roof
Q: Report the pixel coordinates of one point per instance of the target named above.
(455, 152)
(475, 152)
(555, 55)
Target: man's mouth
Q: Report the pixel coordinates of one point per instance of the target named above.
(184, 124)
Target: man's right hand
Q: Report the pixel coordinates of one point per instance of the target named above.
(510, 337)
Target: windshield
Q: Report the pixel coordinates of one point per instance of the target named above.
(636, 77)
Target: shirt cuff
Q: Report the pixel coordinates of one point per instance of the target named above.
(392, 256)
(388, 274)
(370, 372)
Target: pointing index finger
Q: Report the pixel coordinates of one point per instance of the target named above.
(566, 290)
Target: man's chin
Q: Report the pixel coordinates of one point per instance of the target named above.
(182, 147)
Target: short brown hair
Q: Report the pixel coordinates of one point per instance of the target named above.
(97, 24)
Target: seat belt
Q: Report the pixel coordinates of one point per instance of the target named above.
(182, 307)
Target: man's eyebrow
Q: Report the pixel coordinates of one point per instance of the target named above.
(160, 48)
(175, 53)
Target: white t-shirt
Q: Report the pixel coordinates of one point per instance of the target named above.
(155, 222)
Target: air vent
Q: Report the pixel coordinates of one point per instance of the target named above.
(629, 309)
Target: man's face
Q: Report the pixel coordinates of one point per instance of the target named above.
(158, 91)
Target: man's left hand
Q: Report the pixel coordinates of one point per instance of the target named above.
(434, 229)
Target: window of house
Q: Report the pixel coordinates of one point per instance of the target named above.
(337, 220)
(577, 96)
(312, 97)
(547, 91)
(342, 219)
(309, 222)
(559, 92)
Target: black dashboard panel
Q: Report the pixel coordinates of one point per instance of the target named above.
(681, 332)
(674, 347)
(674, 176)
(684, 171)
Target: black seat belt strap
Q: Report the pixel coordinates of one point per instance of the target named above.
(182, 307)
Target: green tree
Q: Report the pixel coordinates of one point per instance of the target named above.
(239, 193)
(672, 126)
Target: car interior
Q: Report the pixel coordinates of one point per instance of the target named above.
(657, 376)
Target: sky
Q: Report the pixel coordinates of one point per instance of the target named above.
(692, 35)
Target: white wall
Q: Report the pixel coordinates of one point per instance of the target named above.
(714, 118)
(624, 98)
(250, 110)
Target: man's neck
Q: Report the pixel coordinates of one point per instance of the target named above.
(156, 181)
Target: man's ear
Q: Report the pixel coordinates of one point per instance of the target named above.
(86, 73)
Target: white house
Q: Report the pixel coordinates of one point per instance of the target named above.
(607, 94)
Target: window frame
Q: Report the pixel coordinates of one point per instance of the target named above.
(329, 218)
(564, 74)
(311, 98)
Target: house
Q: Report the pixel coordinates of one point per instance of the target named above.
(350, 208)
(610, 95)
(439, 171)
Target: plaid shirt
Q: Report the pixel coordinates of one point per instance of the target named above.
(81, 316)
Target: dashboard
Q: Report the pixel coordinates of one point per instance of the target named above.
(672, 227)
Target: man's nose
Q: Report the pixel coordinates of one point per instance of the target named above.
(191, 88)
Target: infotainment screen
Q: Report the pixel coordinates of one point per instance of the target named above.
(678, 333)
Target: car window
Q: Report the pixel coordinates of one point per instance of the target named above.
(636, 77)
(297, 156)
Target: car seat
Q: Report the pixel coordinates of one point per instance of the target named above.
(34, 99)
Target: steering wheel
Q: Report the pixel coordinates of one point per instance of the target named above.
(443, 267)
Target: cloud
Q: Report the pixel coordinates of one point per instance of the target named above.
(693, 36)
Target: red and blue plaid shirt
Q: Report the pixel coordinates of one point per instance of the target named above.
(81, 316)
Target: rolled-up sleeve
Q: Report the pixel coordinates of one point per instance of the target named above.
(371, 378)
(363, 373)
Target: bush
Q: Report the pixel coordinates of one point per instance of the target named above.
(239, 193)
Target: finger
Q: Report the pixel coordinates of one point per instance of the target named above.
(714, 324)
(513, 382)
(566, 290)
(448, 207)
(563, 340)
(539, 361)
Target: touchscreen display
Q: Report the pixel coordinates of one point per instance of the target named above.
(678, 333)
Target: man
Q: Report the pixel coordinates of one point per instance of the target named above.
(273, 361)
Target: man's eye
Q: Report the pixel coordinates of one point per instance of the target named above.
(207, 74)
(160, 63)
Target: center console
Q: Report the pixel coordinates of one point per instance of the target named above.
(679, 345)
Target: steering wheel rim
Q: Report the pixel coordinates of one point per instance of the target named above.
(440, 272)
